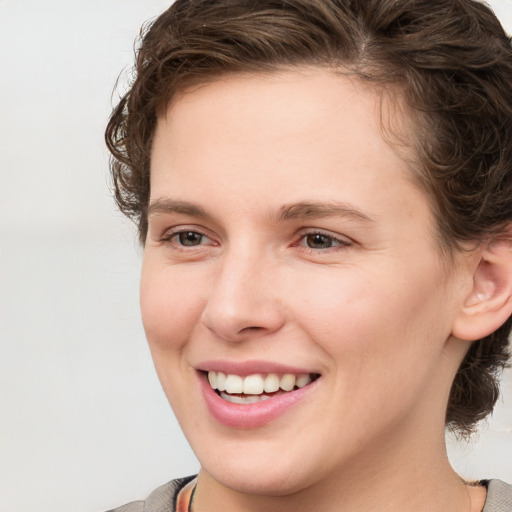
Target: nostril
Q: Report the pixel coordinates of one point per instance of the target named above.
(253, 328)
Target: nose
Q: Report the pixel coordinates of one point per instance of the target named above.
(243, 301)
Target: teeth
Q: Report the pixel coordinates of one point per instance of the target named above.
(255, 385)
(234, 383)
(250, 399)
(271, 383)
(301, 381)
(287, 382)
(221, 381)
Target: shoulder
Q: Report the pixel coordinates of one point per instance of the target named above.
(499, 497)
(162, 499)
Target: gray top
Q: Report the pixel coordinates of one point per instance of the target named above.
(499, 497)
(163, 499)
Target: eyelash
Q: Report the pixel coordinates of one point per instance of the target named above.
(336, 242)
(170, 235)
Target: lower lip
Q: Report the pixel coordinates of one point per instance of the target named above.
(247, 416)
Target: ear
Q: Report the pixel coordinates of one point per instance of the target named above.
(489, 304)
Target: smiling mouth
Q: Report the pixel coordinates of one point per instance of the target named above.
(257, 387)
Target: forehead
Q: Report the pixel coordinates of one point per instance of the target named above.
(284, 107)
(294, 123)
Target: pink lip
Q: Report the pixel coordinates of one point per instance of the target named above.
(247, 416)
(245, 368)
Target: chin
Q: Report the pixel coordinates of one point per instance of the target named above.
(269, 473)
(260, 482)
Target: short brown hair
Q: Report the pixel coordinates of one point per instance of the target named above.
(451, 62)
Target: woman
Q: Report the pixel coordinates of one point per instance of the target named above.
(323, 192)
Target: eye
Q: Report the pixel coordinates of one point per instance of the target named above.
(189, 238)
(319, 241)
(184, 238)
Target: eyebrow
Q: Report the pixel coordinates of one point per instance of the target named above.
(304, 210)
(163, 205)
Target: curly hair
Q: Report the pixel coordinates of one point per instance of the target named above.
(449, 60)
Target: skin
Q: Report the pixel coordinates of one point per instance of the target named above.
(372, 310)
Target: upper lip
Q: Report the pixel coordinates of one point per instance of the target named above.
(244, 368)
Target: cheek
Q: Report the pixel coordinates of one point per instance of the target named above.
(374, 320)
(384, 340)
(171, 305)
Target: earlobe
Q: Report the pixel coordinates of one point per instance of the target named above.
(489, 303)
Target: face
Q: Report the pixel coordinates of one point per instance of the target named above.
(291, 261)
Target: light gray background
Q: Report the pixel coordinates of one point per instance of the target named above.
(84, 424)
